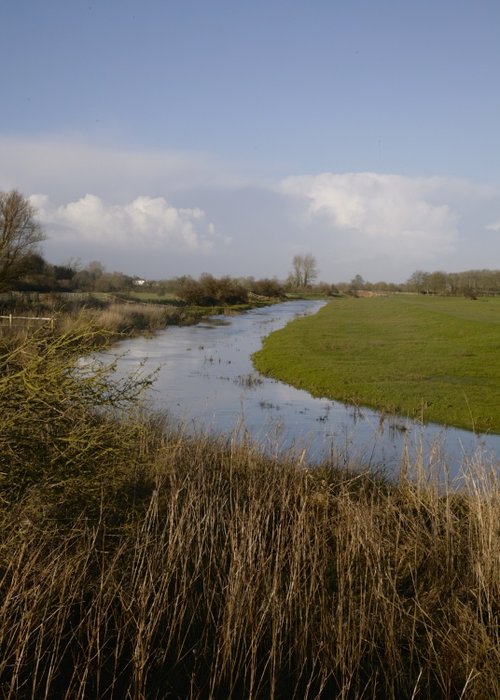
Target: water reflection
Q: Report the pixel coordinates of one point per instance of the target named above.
(207, 380)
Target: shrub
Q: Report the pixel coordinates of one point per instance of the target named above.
(60, 415)
(209, 291)
(267, 288)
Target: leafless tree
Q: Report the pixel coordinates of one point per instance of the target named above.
(304, 270)
(309, 269)
(19, 235)
(296, 274)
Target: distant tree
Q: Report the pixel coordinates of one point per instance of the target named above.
(113, 282)
(358, 282)
(438, 282)
(35, 264)
(309, 269)
(63, 275)
(418, 281)
(19, 235)
(295, 277)
(36, 275)
(88, 277)
(326, 288)
(304, 271)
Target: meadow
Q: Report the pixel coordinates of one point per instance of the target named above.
(426, 357)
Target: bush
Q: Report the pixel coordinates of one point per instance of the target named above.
(209, 291)
(267, 288)
(60, 415)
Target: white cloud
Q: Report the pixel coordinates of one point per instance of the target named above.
(124, 206)
(144, 222)
(392, 214)
(493, 227)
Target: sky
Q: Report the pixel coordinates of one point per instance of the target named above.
(167, 138)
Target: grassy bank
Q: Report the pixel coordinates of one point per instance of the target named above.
(432, 358)
(137, 561)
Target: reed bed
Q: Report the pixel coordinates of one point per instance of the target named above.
(118, 318)
(166, 565)
(129, 318)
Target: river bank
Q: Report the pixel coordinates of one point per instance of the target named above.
(206, 379)
(430, 358)
(115, 316)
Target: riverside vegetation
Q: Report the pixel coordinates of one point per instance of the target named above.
(122, 315)
(139, 561)
(426, 357)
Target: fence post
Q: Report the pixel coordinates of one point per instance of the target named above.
(10, 320)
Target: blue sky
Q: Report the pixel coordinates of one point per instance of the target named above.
(169, 138)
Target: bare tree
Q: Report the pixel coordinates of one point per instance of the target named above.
(19, 235)
(296, 274)
(309, 269)
(418, 281)
(304, 270)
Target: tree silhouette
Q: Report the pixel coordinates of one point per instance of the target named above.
(19, 235)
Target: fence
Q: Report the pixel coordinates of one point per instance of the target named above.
(11, 319)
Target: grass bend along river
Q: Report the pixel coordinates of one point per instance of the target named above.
(207, 381)
(431, 358)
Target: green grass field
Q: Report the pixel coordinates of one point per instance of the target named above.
(432, 358)
(148, 296)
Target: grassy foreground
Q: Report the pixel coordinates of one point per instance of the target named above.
(432, 358)
(137, 561)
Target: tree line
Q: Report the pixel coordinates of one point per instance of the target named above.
(23, 268)
(466, 283)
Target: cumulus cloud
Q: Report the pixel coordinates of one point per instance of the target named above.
(145, 221)
(212, 215)
(396, 214)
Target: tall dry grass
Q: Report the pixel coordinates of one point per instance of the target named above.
(109, 316)
(197, 568)
(126, 319)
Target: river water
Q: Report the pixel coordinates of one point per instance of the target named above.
(207, 381)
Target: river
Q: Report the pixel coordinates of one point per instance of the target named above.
(207, 381)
